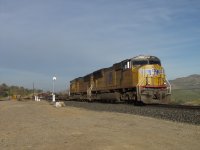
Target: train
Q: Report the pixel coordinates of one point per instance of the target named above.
(139, 79)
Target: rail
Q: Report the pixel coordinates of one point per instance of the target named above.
(175, 106)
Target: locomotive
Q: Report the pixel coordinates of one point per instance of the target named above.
(139, 79)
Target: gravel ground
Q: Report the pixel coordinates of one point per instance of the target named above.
(30, 125)
(191, 116)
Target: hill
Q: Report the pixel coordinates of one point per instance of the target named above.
(190, 82)
(186, 90)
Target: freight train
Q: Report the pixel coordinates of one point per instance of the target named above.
(139, 79)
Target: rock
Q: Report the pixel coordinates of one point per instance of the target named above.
(59, 104)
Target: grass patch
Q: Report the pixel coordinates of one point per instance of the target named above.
(186, 96)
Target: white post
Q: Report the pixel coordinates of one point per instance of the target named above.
(53, 95)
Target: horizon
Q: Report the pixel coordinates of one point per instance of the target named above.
(68, 87)
(69, 39)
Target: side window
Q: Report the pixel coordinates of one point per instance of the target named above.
(126, 65)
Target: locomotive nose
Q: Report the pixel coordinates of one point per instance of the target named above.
(153, 75)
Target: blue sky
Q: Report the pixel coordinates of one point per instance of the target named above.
(70, 38)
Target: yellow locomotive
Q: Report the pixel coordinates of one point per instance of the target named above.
(139, 79)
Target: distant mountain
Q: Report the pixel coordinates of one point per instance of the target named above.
(189, 82)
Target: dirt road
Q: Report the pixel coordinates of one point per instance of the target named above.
(38, 125)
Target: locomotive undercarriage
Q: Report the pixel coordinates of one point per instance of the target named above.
(131, 95)
(154, 95)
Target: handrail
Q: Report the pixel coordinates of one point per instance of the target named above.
(169, 85)
(89, 91)
(138, 87)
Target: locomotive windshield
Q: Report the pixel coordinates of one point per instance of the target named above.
(139, 62)
(154, 61)
(144, 60)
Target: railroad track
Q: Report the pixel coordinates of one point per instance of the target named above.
(176, 113)
(175, 106)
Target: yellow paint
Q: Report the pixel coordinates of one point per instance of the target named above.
(151, 75)
(147, 75)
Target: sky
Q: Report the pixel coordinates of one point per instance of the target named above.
(40, 39)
